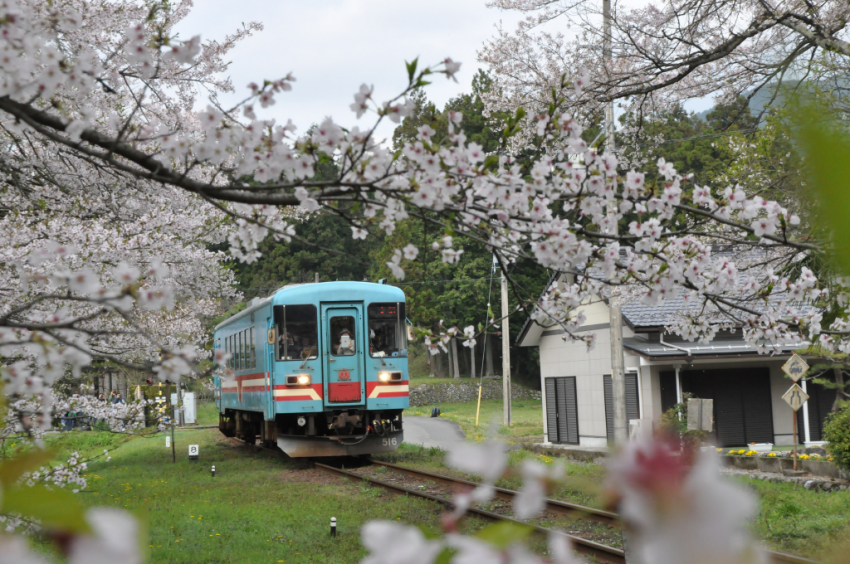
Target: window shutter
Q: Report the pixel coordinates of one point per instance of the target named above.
(551, 411)
(608, 386)
(632, 397)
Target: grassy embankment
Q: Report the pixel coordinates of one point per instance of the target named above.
(258, 508)
(526, 419)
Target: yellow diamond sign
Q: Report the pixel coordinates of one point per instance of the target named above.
(795, 367)
(795, 397)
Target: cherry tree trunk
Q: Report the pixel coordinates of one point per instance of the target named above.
(839, 392)
(455, 369)
(488, 356)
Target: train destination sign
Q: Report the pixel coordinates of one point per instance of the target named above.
(795, 397)
(795, 367)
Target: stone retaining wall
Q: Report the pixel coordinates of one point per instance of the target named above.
(465, 391)
(777, 465)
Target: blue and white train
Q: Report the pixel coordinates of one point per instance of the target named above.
(318, 369)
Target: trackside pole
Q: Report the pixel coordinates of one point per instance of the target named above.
(506, 355)
(477, 411)
(795, 441)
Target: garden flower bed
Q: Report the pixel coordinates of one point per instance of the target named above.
(777, 461)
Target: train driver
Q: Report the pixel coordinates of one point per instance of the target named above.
(286, 341)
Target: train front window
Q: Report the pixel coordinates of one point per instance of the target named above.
(298, 332)
(387, 331)
(342, 336)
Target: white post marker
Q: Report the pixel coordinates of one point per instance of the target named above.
(167, 442)
(213, 471)
(193, 452)
(333, 526)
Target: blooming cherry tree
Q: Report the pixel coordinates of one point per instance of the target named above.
(118, 178)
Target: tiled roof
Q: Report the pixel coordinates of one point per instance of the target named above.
(640, 315)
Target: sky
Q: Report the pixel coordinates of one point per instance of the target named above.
(334, 46)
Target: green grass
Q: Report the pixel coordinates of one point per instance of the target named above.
(207, 413)
(798, 521)
(791, 519)
(258, 508)
(427, 380)
(582, 483)
(526, 419)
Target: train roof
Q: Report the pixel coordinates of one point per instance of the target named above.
(323, 292)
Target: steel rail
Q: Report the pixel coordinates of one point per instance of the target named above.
(601, 552)
(552, 505)
(559, 507)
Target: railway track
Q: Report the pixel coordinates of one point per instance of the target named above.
(600, 552)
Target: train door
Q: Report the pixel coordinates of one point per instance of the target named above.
(345, 380)
(269, 352)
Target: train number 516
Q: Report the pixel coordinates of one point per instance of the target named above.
(388, 442)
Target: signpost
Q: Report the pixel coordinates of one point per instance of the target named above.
(795, 368)
(795, 397)
(193, 452)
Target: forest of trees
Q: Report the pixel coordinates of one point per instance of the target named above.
(459, 293)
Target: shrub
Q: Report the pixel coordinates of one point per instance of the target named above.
(836, 430)
(674, 422)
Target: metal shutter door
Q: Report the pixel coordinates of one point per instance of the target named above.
(668, 390)
(632, 397)
(728, 411)
(567, 410)
(608, 386)
(820, 403)
(757, 405)
(551, 411)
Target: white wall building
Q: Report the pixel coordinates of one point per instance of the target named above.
(746, 387)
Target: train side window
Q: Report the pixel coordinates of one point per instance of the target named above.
(298, 328)
(252, 357)
(228, 346)
(343, 341)
(241, 351)
(387, 330)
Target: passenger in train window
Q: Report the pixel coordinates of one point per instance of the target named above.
(345, 344)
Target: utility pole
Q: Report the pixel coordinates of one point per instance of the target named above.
(618, 378)
(506, 355)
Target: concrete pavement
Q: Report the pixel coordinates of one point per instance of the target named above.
(432, 432)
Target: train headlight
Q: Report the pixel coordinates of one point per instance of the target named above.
(384, 376)
(297, 379)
